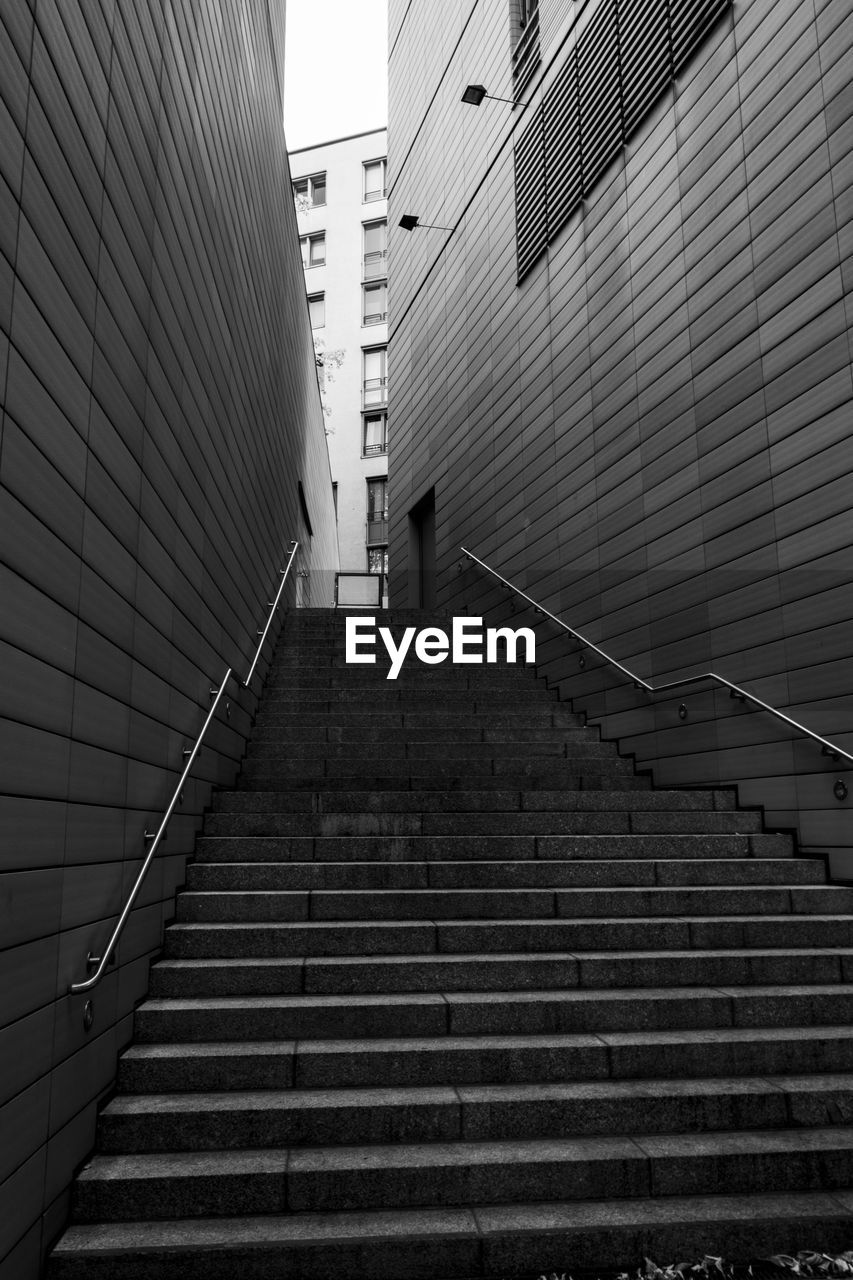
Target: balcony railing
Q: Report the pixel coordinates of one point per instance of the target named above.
(374, 392)
(375, 317)
(375, 264)
(373, 450)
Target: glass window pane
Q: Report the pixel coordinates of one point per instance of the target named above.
(318, 250)
(317, 310)
(318, 194)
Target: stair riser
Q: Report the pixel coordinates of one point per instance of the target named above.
(393, 695)
(540, 1014)
(267, 937)
(486, 802)
(269, 723)
(500, 904)
(490, 848)
(312, 781)
(257, 876)
(515, 973)
(443, 1117)
(352, 824)
(552, 743)
(307, 1188)
(314, 1065)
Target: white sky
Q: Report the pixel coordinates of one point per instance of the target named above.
(335, 69)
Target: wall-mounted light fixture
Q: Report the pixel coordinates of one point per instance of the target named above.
(475, 93)
(410, 221)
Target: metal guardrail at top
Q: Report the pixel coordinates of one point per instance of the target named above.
(742, 695)
(100, 963)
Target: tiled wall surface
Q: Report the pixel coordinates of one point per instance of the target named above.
(160, 407)
(653, 433)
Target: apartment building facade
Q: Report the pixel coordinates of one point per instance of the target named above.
(621, 364)
(339, 192)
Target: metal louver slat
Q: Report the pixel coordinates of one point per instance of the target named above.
(690, 20)
(644, 56)
(599, 94)
(530, 210)
(563, 173)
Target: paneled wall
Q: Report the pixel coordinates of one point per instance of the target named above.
(160, 407)
(651, 433)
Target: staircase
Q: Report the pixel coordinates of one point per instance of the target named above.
(452, 992)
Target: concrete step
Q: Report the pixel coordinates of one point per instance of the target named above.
(624, 873)
(490, 1013)
(279, 938)
(467, 1113)
(456, 1244)
(546, 779)
(409, 848)
(535, 714)
(601, 822)
(335, 1179)
(391, 695)
(508, 1059)
(493, 971)
(283, 737)
(540, 770)
(556, 743)
(510, 903)
(489, 801)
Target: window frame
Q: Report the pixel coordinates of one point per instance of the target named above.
(374, 317)
(310, 179)
(317, 297)
(382, 380)
(310, 239)
(380, 450)
(370, 198)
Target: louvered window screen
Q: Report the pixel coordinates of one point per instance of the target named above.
(645, 57)
(600, 93)
(530, 217)
(619, 66)
(563, 173)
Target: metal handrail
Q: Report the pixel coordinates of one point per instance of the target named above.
(294, 547)
(743, 695)
(100, 963)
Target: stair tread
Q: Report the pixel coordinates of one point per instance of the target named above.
(663, 1039)
(411, 1224)
(465, 1153)
(433, 998)
(268, 1099)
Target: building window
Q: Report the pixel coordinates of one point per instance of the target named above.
(375, 434)
(375, 255)
(317, 309)
(309, 192)
(374, 180)
(313, 249)
(377, 560)
(374, 308)
(377, 511)
(375, 378)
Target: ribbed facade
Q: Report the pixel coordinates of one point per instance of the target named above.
(160, 411)
(650, 431)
